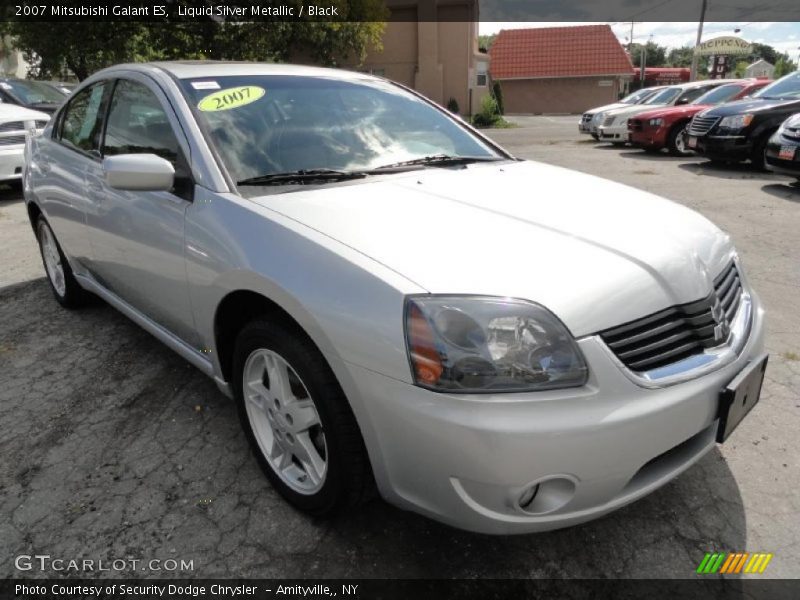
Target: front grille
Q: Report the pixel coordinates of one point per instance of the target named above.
(702, 125)
(678, 332)
(634, 125)
(12, 126)
(608, 121)
(587, 117)
(11, 140)
(792, 133)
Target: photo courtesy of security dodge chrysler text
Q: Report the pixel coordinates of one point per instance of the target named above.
(397, 305)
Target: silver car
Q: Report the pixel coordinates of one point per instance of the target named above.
(395, 302)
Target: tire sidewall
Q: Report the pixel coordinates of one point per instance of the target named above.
(41, 225)
(676, 132)
(288, 344)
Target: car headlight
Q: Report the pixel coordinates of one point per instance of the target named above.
(474, 344)
(655, 122)
(736, 121)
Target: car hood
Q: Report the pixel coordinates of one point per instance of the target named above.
(636, 109)
(676, 112)
(595, 252)
(10, 112)
(607, 107)
(756, 105)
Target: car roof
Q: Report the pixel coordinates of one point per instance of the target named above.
(189, 69)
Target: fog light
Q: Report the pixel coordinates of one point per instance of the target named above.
(527, 496)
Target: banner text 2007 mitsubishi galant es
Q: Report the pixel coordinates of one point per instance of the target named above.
(393, 300)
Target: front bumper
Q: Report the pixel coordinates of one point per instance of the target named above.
(613, 133)
(781, 165)
(12, 161)
(649, 137)
(733, 148)
(466, 460)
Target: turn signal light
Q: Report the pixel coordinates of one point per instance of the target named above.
(424, 356)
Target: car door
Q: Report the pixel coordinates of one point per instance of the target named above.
(59, 165)
(137, 237)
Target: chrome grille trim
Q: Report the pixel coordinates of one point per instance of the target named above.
(702, 125)
(12, 140)
(679, 332)
(12, 126)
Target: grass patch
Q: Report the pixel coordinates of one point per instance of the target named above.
(791, 356)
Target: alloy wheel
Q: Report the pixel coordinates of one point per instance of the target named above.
(285, 421)
(52, 259)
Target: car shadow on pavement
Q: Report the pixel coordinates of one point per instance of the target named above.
(655, 156)
(787, 191)
(115, 447)
(10, 191)
(728, 171)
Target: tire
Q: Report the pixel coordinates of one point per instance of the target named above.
(759, 150)
(596, 137)
(618, 144)
(65, 288)
(676, 140)
(323, 468)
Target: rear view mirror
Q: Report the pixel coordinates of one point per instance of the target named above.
(139, 172)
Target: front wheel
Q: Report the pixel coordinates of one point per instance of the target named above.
(676, 142)
(298, 420)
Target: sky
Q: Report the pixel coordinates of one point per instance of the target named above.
(783, 36)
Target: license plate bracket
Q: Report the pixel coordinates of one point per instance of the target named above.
(740, 396)
(787, 153)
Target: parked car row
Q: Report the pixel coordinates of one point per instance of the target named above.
(727, 121)
(25, 106)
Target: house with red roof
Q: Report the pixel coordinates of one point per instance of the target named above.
(559, 69)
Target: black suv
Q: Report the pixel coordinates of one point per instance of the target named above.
(740, 131)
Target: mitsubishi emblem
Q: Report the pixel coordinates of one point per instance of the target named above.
(722, 328)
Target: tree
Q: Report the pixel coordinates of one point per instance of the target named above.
(656, 55)
(485, 42)
(784, 66)
(84, 47)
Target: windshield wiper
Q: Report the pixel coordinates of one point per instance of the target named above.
(302, 176)
(438, 160)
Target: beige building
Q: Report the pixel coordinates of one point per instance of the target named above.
(432, 47)
(559, 69)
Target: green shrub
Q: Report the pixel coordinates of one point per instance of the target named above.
(452, 106)
(489, 113)
(497, 92)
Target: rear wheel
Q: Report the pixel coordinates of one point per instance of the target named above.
(298, 420)
(676, 141)
(65, 287)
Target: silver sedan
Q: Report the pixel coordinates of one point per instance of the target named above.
(394, 301)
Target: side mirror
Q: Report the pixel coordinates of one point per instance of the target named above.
(682, 101)
(139, 172)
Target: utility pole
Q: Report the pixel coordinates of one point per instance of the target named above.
(695, 57)
(630, 41)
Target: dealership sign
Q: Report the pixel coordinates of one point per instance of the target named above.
(724, 46)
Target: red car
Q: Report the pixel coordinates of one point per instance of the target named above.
(665, 127)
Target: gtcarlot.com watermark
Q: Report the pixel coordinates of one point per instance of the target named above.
(45, 562)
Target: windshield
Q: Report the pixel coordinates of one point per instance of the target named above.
(719, 94)
(785, 87)
(269, 124)
(31, 92)
(637, 97)
(665, 96)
